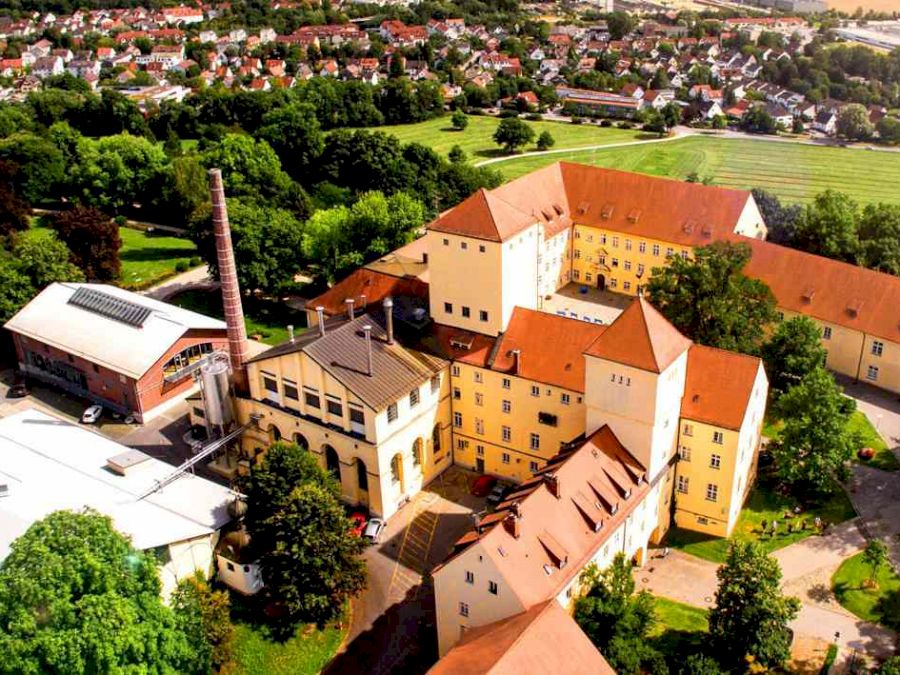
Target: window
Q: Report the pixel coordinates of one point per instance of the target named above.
(533, 467)
(506, 433)
(477, 375)
(479, 398)
(455, 371)
(577, 254)
(505, 457)
(642, 246)
(311, 398)
(712, 492)
(588, 276)
(576, 275)
(482, 315)
(479, 450)
(392, 412)
(684, 255)
(481, 248)
(627, 265)
(334, 407)
(414, 397)
(448, 308)
(683, 482)
(535, 390)
(688, 430)
(507, 383)
(615, 242)
(290, 390)
(872, 373)
(479, 426)
(718, 437)
(826, 333)
(465, 312)
(602, 238)
(446, 242)
(435, 384)
(463, 609)
(470, 577)
(877, 348)
(685, 453)
(357, 416)
(269, 384)
(626, 285)
(628, 244)
(715, 461)
(613, 283)
(670, 252)
(549, 419)
(534, 442)
(493, 589)
(507, 406)
(564, 399)
(457, 419)
(640, 269)
(457, 394)
(655, 249)
(615, 262)
(463, 245)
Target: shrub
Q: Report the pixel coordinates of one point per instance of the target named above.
(577, 120)
(120, 220)
(195, 261)
(181, 266)
(605, 123)
(534, 117)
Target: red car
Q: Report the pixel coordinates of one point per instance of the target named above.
(483, 485)
(358, 520)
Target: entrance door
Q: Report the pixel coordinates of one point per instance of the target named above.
(479, 465)
(601, 282)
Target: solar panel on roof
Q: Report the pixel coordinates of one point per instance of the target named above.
(110, 306)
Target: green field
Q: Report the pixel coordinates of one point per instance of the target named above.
(793, 171)
(478, 143)
(764, 504)
(879, 603)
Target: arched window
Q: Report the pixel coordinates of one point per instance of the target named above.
(275, 433)
(417, 452)
(396, 468)
(301, 441)
(332, 463)
(436, 437)
(362, 477)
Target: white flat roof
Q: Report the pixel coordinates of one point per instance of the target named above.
(124, 348)
(49, 464)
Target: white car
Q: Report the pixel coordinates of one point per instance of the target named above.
(92, 414)
(373, 530)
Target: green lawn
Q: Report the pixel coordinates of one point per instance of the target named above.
(149, 259)
(266, 319)
(681, 629)
(478, 143)
(884, 458)
(256, 653)
(878, 604)
(763, 504)
(794, 172)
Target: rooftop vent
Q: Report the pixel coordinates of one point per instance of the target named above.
(583, 208)
(547, 214)
(558, 208)
(688, 226)
(707, 231)
(808, 294)
(126, 461)
(607, 211)
(634, 216)
(854, 307)
(110, 306)
(462, 341)
(4, 490)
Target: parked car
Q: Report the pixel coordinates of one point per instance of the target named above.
(92, 414)
(498, 494)
(483, 485)
(18, 390)
(358, 520)
(374, 529)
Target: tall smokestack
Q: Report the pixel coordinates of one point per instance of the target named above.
(231, 292)
(367, 330)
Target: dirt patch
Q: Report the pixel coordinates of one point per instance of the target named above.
(807, 655)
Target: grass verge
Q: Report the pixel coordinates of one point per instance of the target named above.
(681, 629)
(148, 259)
(878, 603)
(266, 320)
(884, 458)
(764, 504)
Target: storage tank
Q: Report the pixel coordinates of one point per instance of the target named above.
(216, 392)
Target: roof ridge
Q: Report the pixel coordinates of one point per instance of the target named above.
(642, 303)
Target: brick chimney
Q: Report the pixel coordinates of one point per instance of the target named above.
(511, 521)
(551, 480)
(231, 292)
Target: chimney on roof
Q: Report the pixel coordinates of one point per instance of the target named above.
(389, 318)
(363, 301)
(231, 292)
(290, 332)
(517, 361)
(320, 315)
(350, 312)
(511, 521)
(551, 480)
(367, 330)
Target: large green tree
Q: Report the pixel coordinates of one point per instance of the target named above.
(512, 133)
(617, 620)
(751, 615)
(827, 227)
(794, 349)
(853, 122)
(310, 558)
(815, 445)
(296, 136)
(206, 612)
(879, 238)
(76, 597)
(93, 240)
(710, 300)
(15, 211)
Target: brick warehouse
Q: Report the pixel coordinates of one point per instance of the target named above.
(128, 352)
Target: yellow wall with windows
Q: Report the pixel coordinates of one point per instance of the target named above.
(625, 261)
(479, 419)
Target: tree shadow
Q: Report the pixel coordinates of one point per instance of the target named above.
(491, 153)
(155, 254)
(888, 607)
(676, 644)
(819, 593)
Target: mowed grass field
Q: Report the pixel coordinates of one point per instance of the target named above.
(793, 171)
(478, 143)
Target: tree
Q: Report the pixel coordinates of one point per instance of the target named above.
(207, 613)
(780, 220)
(853, 122)
(513, 133)
(700, 664)
(815, 443)
(16, 289)
(545, 141)
(827, 227)
(76, 597)
(710, 300)
(889, 667)
(878, 230)
(93, 239)
(456, 154)
(758, 121)
(655, 123)
(267, 243)
(41, 165)
(340, 239)
(294, 133)
(15, 211)
(620, 24)
(875, 555)
(459, 120)
(751, 616)
(793, 350)
(616, 620)
(310, 559)
(671, 115)
(889, 129)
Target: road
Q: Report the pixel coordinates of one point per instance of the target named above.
(197, 278)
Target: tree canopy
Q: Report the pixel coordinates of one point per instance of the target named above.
(93, 240)
(512, 133)
(794, 349)
(711, 301)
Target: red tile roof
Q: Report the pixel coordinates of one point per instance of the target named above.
(718, 386)
(640, 337)
(366, 286)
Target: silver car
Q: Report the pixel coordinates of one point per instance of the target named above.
(373, 530)
(92, 414)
